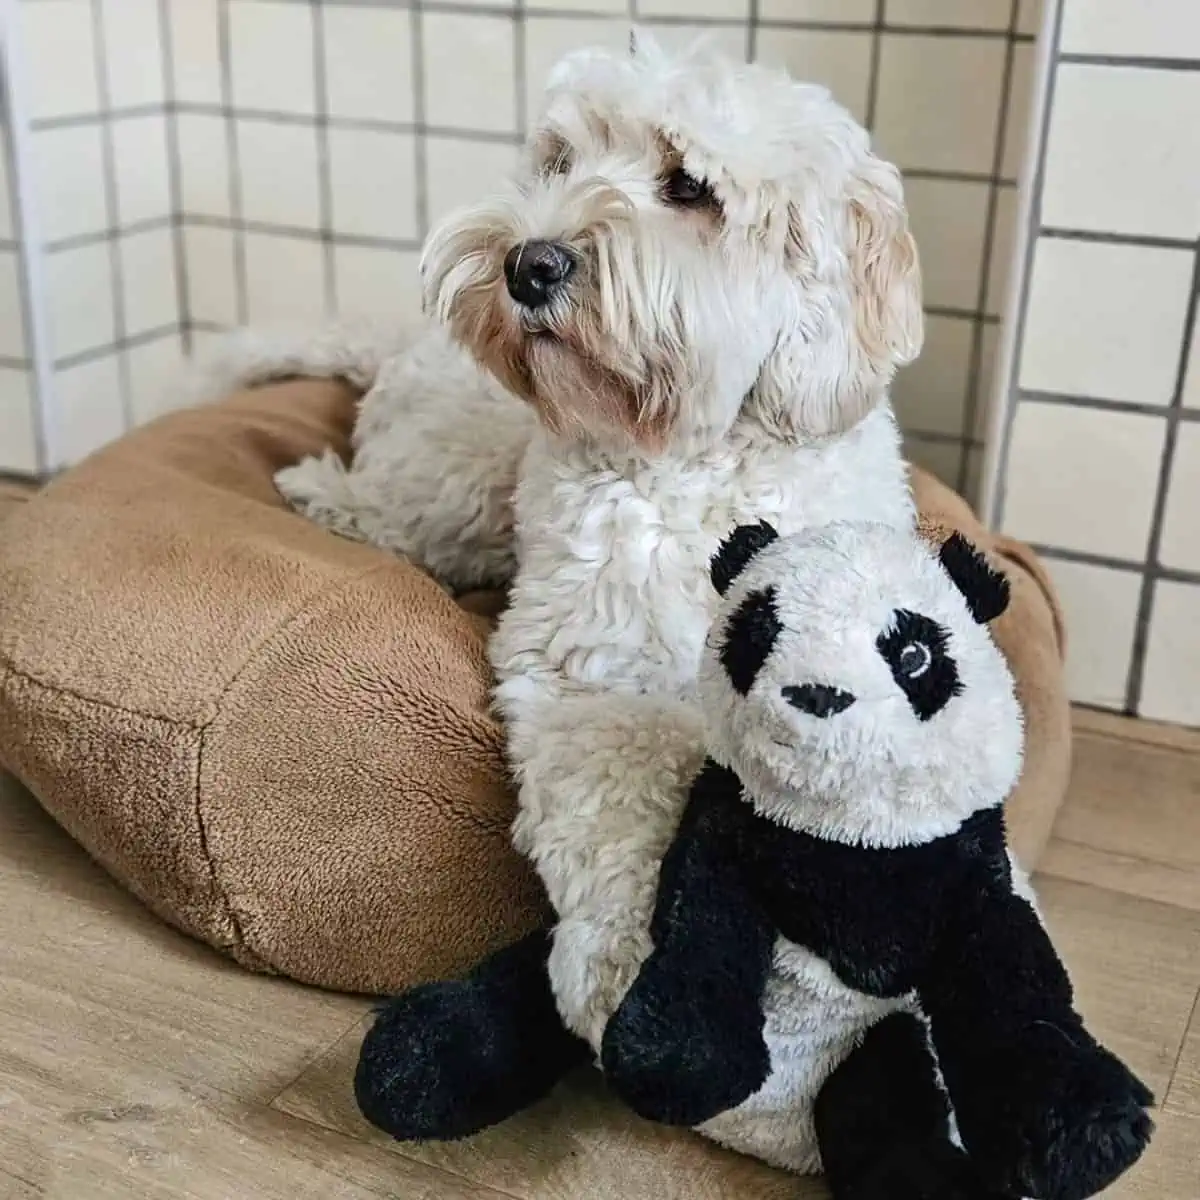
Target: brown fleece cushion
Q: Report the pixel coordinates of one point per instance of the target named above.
(279, 739)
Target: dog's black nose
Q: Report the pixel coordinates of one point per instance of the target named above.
(818, 699)
(535, 270)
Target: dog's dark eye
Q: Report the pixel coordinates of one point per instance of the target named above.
(913, 660)
(686, 191)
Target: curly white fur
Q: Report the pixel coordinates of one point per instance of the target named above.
(704, 368)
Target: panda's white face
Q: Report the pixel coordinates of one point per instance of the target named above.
(848, 683)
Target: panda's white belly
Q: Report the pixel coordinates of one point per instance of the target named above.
(813, 1021)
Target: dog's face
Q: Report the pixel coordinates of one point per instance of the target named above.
(690, 239)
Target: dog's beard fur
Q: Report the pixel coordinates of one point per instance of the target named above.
(791, 301)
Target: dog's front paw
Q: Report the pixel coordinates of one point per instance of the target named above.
(1060, 1118)
(933, 1170)
(675, 1059)
(317, 488)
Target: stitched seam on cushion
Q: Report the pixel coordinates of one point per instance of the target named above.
(500, 830)
(222, 896)
(10, 668)
(204, 727)
(7, 672)
(218, 893)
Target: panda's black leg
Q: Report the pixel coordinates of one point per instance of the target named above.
(883, 1123)
(445, 1060)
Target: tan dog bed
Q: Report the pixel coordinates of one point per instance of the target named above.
(279, 739)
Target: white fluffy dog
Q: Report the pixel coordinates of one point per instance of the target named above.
(684, 316)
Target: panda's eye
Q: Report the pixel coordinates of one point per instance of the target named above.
(917, 651)
(913, 660)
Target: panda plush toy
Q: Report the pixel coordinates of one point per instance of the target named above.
(840, 933)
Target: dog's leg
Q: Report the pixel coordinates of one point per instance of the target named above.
(446, 1060)
(603, 783)
(438, 450)
(883, 1123)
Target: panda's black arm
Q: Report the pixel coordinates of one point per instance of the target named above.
(994, 970)
(702, 902)
(686, 1042)
(1040, 1104)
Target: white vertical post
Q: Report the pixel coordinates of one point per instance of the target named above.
(26, 225)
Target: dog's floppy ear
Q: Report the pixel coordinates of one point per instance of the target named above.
(736, 551)
(823, 385)
(985, 590)
(884, 267)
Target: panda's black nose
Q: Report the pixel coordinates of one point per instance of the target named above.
(818, 699)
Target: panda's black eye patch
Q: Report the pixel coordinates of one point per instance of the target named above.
(750, 636)
(915, 649)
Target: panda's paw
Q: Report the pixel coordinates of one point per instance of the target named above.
(1063, 1118)
(677, 1060)
(934, 1170)
(446, 1060)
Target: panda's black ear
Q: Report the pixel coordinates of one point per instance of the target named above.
(736, 551)
(985, 590)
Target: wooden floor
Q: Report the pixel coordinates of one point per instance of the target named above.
(135, 1063)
